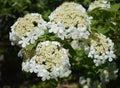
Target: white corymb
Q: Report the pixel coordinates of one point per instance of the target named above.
(67, 6)
(101, 49)
(50, 61)
(70, 20)
(103, 4)
(27, 29)
(109, 73)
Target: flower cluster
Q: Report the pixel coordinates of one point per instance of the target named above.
(50, 61)
(69, 6)
(101, 48)
(103, 4)
(106, 74)
(109, 73)
(47, 46)
(70, 20)
(27, 29)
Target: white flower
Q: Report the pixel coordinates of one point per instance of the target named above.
(13, 37)
(110, 55)
(84, 82)
(85, 86)
(25, 66)
(67, 21)
(27, 29)
(49, 61)
(32, 66)
(75, 44)
(44, 74)
(24, 42)
(103, 4)
(58, 29)
(78, 45)
(101, 49)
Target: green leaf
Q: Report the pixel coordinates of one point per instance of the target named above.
(115, 7)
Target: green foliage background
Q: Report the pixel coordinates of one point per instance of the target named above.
(10, 65)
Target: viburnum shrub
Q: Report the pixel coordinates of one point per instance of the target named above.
(74, 38)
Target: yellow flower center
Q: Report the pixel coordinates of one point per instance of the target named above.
(49, 55)
(68, 6)
(100, 43)
(26, 24)
(71, 18)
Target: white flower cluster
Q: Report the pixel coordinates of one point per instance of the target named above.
(68, 24)
(67, 6)
(70, 20)
(89, 83)
(49, 61)
(106, 74)
(101, 48)
(27, 29)
(103, 4)
(85, 82)
(109, 73)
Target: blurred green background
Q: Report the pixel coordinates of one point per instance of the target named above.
(11, 75)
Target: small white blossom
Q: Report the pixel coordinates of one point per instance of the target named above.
(84, 82)
(13, 37)
(25, 66)
(24, 42)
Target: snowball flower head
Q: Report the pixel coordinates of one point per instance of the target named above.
(50, 61)
(101, 49)
(67, 6)
(103, 4)
(68, 21)
(25, 29)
